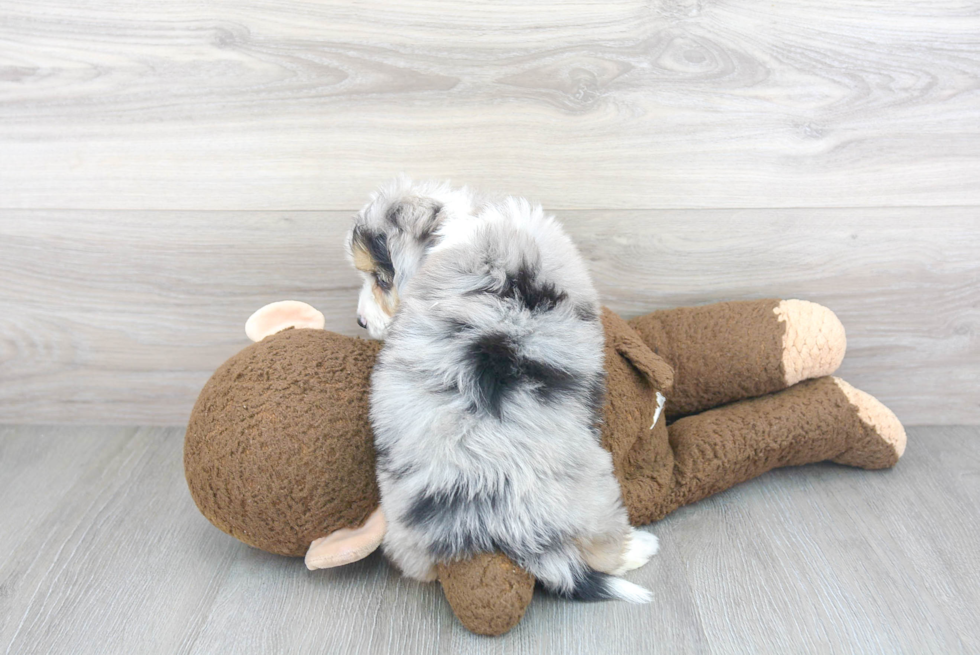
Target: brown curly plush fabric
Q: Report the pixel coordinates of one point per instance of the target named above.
(278, 451)
(488, 593)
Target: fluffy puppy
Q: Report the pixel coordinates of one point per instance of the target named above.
(486, 397)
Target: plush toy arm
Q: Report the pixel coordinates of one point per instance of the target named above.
(729, 351)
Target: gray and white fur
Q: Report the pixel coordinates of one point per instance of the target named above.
(487, 396)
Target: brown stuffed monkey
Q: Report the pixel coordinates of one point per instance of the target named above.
(279, 452)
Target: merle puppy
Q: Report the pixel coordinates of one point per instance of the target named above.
(486, 397)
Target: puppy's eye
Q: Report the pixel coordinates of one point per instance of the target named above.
(383, 284)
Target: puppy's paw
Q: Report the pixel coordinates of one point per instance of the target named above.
(639, 549)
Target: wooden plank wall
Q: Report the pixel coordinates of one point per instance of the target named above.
(166, 168)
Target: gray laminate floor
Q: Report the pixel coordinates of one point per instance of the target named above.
(103, 551)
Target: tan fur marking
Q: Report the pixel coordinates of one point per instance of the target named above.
(362, 259)
(813, 342)
(387, 301)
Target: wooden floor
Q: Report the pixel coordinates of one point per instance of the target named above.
(103, 551)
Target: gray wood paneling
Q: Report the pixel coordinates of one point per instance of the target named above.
(120, 317)
(104, 552)
(303, 104)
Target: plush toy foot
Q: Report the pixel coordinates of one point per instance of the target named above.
(882, 441)
(813, 340)
(641, 547)
(488, 593)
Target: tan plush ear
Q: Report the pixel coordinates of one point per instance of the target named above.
(347, 545)
(278, 316)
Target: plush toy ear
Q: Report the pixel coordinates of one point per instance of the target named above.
(278, 316)
(652, 366)
(347, 545)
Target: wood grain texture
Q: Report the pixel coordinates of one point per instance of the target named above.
(303, 104)
(109, 555)
(119, 317)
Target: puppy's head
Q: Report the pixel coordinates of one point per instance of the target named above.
(387, 244)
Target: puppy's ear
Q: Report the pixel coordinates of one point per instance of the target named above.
(418, 216)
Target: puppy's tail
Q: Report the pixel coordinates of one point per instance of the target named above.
(592, 585)
(565, 575)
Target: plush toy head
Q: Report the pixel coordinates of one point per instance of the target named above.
(277, 452)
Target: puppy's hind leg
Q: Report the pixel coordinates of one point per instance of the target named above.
(617, 553)
(638, 549)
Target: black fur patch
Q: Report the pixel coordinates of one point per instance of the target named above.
(376, 245)
(428, 508)
(456, 519)
(498, 368)
(590, 585)
(458, 525)
(462, 544)
(523, 287)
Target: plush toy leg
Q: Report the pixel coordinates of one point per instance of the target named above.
(814, 421)
(729, 351)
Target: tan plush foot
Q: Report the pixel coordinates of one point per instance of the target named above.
(884, 440)
(813, 341)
